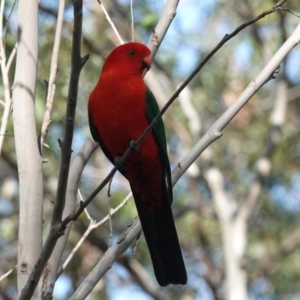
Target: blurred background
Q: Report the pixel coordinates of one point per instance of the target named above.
(270, 259)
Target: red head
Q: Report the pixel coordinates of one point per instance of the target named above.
(128, 59)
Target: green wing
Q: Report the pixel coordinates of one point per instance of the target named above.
(160, 137)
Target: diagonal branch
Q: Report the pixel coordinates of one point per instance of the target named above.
(230, 114)
(52, 76)
(110, 22)
(226, 38)
(76, 169)
(135, 229)
(93, 225)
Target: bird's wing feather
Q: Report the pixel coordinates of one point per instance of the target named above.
(160, 137)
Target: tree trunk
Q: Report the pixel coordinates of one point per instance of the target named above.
(28, 156)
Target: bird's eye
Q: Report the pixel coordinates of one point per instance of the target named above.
(131, 53)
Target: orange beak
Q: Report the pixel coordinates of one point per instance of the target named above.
(147, 62)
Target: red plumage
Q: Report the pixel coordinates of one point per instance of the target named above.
(119, 110)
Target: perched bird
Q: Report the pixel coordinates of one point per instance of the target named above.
(120, 108)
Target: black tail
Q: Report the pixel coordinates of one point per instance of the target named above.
(161, 237)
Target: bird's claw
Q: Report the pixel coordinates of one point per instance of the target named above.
(118, 162)
(135, 148)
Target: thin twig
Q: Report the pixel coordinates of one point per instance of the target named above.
(93, 225)
(289, 11)
(80, 242)
(5, 79)
(7, 273)
(109, 212)
(76, 170)
(8, 18)
(226, 38)
(52, 76)
(11, 56)
(132, 20)
(110, 22)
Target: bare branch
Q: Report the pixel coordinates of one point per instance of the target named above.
(107, 260)
(93, 225)
(76, 169)
(7, 273)
(226, 38)
(109, 213)
(163, 25)
(77, 64)
(5, 79)
(135, 229)
(206, 139)
(289, 11)
(132, 20)
(56, 230)
(110, 22)
(216, 130)
(52, 76)
(11, 57)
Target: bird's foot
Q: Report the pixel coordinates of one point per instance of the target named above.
(135, 148)
(118, 162)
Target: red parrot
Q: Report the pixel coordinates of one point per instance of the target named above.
(120, 108)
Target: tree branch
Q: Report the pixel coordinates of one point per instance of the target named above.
(111, 22)
(52, 76)
(5, 79)
(216, 130)
(163, 25)
(84, 204)
(135, 229)
(76, 169)
(56, 229)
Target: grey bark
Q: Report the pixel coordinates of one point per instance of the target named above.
(28, 156)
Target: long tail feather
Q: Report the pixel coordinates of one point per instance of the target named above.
(161, 237)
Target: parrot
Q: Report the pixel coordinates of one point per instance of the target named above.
(120, 108)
